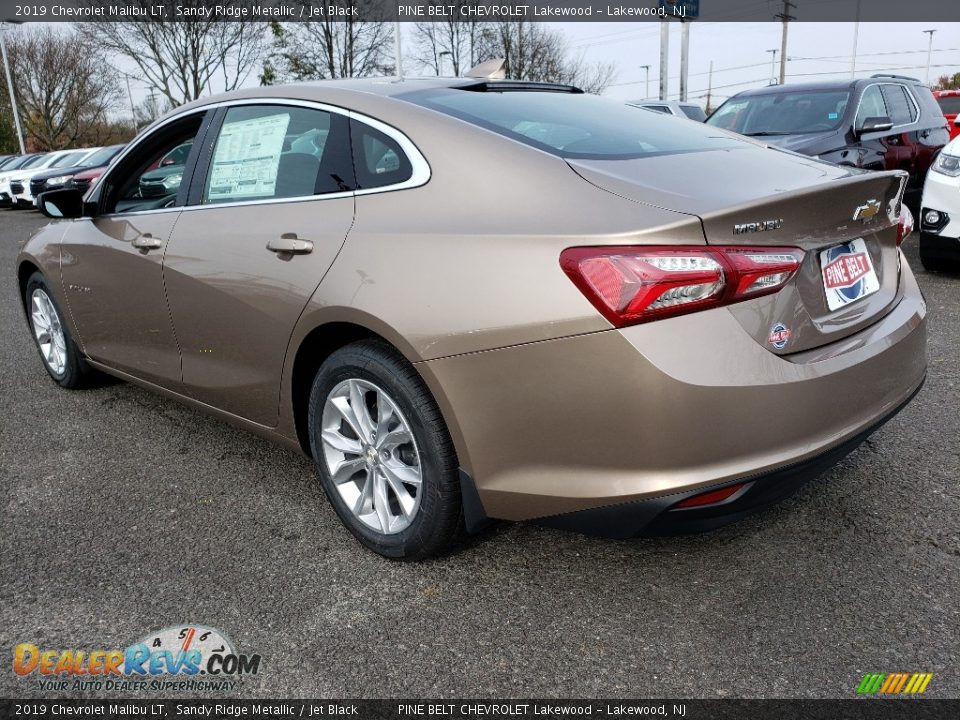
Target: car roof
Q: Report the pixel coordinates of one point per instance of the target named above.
(387, 88)
(828, 85)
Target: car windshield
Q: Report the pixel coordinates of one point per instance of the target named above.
(572, 125)
(949, 105)
(32, 162)
(783, 112)
(102, 156)
(68, 160)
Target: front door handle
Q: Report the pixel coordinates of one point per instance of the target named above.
(291, 244)
(147, 242)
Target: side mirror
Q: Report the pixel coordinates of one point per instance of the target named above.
(875, 124)
(63, 203)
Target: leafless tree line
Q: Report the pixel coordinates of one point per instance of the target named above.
(69, 91)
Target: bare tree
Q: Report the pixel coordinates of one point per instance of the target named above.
(451, 37)
(184, 60)
(353, 46)
(64, 95)
(535, 52)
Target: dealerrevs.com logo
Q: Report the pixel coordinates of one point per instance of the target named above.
(186, 657)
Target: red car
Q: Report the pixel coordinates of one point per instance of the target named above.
(949, 101)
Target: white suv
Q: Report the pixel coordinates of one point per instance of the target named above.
(940, 211)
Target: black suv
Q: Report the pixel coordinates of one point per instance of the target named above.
(885, 122)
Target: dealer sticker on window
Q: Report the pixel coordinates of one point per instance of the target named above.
(848, 273)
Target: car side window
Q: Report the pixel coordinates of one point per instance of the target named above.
(377, 158)
(265, 152)
(151, 175)
(902, 110)
(871, 105)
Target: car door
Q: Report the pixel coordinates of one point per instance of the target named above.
(112, 264)
(270, 208)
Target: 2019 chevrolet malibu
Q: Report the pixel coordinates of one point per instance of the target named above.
(474, 298)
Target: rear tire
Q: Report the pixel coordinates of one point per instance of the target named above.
(59, 353)
(383, 453)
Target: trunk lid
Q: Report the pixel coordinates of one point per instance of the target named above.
(756, 197)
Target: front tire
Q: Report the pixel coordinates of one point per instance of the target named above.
(59, 353)
(383, 453)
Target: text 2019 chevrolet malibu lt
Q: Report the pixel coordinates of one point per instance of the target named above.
(471, 299)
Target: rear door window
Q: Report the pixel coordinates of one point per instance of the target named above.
(265, 152)
(899, 104)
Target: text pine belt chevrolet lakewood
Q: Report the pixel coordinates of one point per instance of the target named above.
(473, 298)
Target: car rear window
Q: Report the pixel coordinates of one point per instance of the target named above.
(783, 113)
(572, 125)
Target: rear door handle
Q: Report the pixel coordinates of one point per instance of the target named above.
(147, 242)
(290, 243)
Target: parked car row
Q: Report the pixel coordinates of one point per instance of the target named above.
(24, 177)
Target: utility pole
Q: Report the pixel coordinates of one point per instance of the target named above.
(786, 17)
(133, 108)
(929, 52)
(709, 86)
(646, 87)
(684, 58)
(773, 64)
(398, 50)
(13, 95)
(664, 57)
(856, 35)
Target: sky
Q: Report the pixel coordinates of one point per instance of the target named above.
(740, 58)
(739, 52)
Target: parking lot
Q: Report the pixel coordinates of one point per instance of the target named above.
(124, 513)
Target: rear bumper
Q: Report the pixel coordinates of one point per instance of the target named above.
(665, 410)
(660, 516)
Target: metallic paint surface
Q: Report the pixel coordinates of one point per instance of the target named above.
(550, 409)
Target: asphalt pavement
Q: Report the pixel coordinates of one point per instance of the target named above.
(124, 513)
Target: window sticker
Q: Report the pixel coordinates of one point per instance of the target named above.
(247, 158)
(833, 116)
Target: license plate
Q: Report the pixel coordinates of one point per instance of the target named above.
(848, 273)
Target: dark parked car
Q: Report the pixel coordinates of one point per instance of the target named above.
(165, 180)
(59, 177)
(885, 122)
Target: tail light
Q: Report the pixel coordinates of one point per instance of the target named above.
(904, 224)
(630, 285)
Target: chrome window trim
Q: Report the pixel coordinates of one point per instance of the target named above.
(913, 100)
(419, 176)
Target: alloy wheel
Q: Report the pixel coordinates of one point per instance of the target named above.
(372, 456)
(48, 330)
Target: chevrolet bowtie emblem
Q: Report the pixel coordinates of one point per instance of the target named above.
(867, 211)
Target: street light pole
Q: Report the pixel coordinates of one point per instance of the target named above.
(13, 95)
(929, 52)
(646, 87)
(856, 35)
(398, 49)
(773, 64)
(440, 62)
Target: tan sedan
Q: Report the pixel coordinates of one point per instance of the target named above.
(470, 299)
